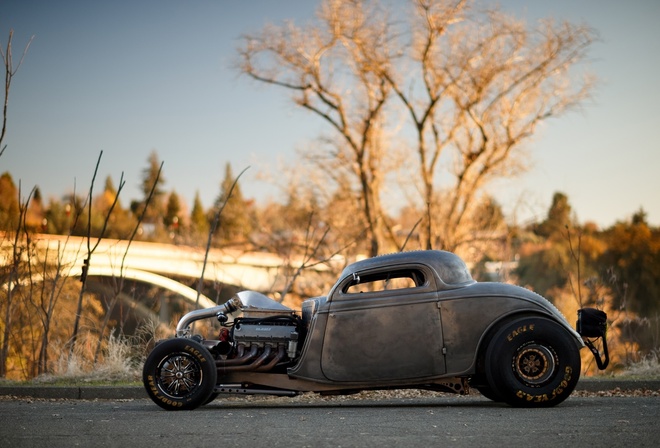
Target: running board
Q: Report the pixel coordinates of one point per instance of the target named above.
(239, 389)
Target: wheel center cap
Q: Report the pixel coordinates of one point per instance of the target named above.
(535, 364)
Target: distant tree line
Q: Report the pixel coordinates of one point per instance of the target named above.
(626, 254)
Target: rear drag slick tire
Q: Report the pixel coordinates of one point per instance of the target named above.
(532, 362)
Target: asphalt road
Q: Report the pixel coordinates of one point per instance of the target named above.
(457, 421)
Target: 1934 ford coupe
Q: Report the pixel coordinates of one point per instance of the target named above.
(405, 320)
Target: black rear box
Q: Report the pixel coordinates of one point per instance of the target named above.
(592, 323)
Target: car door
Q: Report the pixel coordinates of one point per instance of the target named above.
(384, 324)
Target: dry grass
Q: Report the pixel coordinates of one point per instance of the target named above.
(647, 368)
(117, 366)
(120, 361)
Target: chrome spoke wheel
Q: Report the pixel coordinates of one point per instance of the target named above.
(179, 375)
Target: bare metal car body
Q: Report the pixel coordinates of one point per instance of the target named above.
(405, 320)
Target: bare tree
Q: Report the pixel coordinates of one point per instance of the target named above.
(54, 281)
(14, 278)
(474, 83)
(10, 71)
(488, 82)
(46, 301)
(332, 69)
(90, 251)
(222, 203)
(118, 282)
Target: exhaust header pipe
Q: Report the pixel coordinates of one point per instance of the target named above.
(230, 306)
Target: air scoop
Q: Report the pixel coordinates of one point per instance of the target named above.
(258, 305)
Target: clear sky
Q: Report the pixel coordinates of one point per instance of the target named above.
(127, 77)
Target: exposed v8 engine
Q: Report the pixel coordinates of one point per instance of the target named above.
(256, 344)
(276, 333)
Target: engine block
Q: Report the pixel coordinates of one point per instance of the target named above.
(267, 333)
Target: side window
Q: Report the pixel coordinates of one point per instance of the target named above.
(385, 281)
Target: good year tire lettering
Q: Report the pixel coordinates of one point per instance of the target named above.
(568, 374)
(156, 392)
(534, 398)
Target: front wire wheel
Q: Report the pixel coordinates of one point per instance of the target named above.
(179, 374)
(532, 362)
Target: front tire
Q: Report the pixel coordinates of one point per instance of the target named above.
(532, 362)
(179, 374)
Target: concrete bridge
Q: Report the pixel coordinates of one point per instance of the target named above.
(155, 263)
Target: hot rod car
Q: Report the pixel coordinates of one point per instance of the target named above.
(404, 320)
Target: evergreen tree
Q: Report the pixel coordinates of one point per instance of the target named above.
(9, 207)
(559, 217)
(172, 212)
(120, 223)
(198, 222)
(104, 201)
(110, 192)
(58, 217)
(152, 178)
(545, 265)
(544, 268)
(36, 214)
(234, 225)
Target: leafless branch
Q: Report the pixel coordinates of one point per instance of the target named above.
(214, 226)
(10, 71)
(90, 251)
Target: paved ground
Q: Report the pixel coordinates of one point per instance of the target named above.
(446, 420)
(611, 386)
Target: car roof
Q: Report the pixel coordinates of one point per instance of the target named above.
(448, 266)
